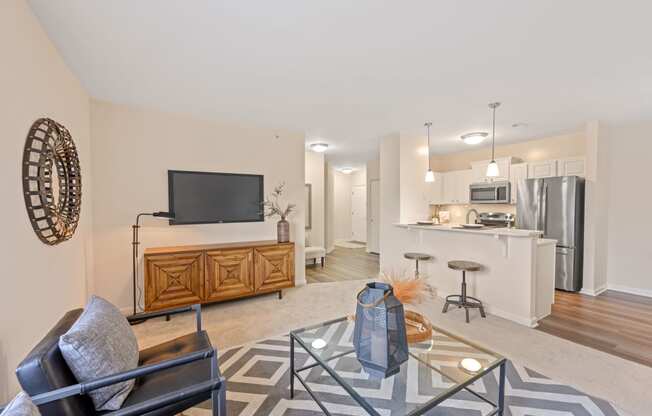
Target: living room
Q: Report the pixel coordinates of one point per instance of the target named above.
(108, 104)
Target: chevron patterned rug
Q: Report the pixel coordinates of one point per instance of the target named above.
(258, 385)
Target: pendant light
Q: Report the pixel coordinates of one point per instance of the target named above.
(430, 175)
(492, 169)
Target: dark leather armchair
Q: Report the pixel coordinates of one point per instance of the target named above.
(170, 377)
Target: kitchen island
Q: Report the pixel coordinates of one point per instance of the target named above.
(518, 277)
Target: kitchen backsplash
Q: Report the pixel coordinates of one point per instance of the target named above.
(458, 212)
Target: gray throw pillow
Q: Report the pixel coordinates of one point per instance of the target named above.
(99, 344)
(21, 405)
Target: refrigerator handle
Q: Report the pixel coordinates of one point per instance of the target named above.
(544, 205)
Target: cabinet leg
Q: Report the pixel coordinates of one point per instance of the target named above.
(280, 294)
(167, 318)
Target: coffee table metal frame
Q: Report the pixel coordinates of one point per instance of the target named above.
(497, 408)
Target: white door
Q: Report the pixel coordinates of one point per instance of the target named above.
(359, 213)
(373, 245)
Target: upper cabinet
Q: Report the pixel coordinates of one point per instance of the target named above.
(571, 166)
(455, 186)
(452, 187)
(479, 170)
(560, 167)
(517, 173)
(436, 190)
(544, 169)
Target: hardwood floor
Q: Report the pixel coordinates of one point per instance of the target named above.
(344, 264)
(613, 322)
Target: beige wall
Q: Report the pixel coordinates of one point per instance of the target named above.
(390, 206)
(629, 231)
(132, 151)
(329, 214)
(373, 174)
(315, 176)
(414, 191)
(39, 282)
(555, 147)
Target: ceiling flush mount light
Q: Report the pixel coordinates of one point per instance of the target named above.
(474, 138)
(430, 175)
(319, 147)
(346, 171)
(492, 169)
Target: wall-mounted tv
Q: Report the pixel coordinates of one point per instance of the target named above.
(208, 197)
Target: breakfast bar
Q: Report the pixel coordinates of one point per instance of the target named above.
(517, 277)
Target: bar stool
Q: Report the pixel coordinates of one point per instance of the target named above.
(417, 257)
(464, 301)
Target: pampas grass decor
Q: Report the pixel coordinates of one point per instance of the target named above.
(408, 289)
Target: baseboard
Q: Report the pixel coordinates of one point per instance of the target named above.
(329, 250)
(596, 292)
(127, 310)
(631, 290)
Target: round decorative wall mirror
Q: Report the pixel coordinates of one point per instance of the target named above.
(51, 181)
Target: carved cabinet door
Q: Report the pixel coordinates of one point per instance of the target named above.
(229, 273)
(173, 279)
(274, 267)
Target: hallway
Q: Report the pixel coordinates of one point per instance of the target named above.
(344, 264)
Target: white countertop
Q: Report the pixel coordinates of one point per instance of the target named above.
(510, 232)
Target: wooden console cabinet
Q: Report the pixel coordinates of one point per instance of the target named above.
(183, 275)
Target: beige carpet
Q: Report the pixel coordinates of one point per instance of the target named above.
(229, 324)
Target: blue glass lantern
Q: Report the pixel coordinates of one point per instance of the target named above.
(379, 337)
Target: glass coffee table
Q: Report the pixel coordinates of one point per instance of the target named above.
(435, 371)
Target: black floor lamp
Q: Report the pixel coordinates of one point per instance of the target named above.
(133, 319)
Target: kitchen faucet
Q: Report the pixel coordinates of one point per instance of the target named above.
(468, 215)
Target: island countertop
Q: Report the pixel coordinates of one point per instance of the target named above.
(517, 278)
(510, 232)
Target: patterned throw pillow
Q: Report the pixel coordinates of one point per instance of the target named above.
(99, 344)
(21, 405)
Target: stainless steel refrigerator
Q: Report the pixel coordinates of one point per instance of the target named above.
(556, 207)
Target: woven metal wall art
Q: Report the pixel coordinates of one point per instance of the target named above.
(51, 181)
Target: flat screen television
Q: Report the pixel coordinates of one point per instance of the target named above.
(208, 197)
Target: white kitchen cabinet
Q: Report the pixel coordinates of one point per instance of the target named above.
(517, 173)
(436, 189)
(543, 169)
(464, 181)
(456, 186)
(571, 166)
(479, 170)
(448, 187)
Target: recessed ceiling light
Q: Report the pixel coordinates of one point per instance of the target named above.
(346, 171)
(475, 137)
(319, 147)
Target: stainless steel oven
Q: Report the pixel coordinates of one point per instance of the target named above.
(490, 193)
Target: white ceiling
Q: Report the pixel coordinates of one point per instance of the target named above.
(347, 72)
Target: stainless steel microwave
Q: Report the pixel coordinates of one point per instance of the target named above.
(490, 193)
